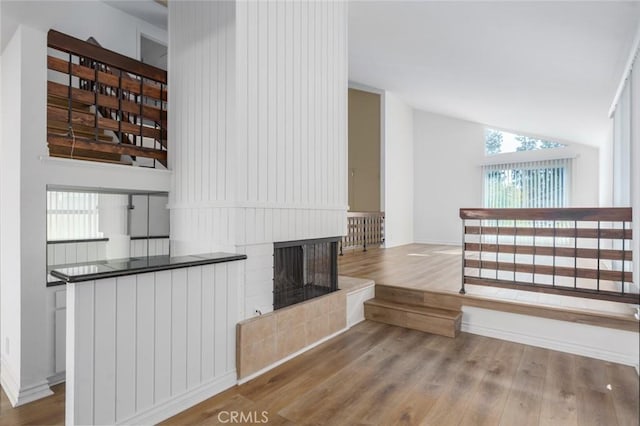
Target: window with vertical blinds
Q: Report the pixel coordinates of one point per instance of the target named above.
(72, 215)
(537, 184)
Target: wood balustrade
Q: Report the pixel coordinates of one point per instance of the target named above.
(583, 252)
(364, 229)
(103, 105)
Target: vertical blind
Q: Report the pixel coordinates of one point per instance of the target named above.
(537, 184)
(72, 215)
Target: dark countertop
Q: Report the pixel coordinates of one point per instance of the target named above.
(90, 271)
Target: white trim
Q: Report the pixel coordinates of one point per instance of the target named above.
(436, 242)
(289, 357)
(176, 404)
(360, 289)
(57, 378)
(19, 396)
(93, 164)
(579, 342)
(627, 71)
(364, 88)
(530, 156)
(8, 382)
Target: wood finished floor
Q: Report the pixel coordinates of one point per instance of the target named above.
(46, 411)
(380, 374)
(385, 375)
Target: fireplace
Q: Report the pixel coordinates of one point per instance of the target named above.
(303, 270)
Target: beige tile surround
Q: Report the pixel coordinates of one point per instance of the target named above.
(266, 339)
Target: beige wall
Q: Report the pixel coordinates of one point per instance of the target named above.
(364, 151)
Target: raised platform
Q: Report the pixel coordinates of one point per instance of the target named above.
(431, 275)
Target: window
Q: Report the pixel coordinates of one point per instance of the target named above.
(72, 215)
(535, 184)
(498, 142)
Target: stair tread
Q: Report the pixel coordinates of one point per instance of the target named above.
(423, 310)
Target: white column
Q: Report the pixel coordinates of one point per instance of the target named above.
(23, 337)
(635, 169)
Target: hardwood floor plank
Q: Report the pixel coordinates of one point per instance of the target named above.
(332, 399)
(559, 394)
(46, 411)
(525, 396)
(461, 384)
(624, 392)
(487, 405)
(390, 388)
(594, 401)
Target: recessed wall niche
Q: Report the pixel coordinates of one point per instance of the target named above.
(88, 225)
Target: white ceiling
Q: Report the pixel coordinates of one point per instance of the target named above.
(544, 68)
(151, 11)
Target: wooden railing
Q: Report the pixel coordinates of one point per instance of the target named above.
(582, 252)
(103, 105)
(364, 229)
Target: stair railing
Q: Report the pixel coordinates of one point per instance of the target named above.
(364, 229)
(127, 97)
(582, 252)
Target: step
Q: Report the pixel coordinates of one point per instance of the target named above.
(418, 297)
(443, 322)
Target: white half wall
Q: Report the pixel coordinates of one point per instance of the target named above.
(398, 171)
(142, 348)
(449, 154)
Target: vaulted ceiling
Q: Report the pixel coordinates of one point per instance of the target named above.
(545, 68)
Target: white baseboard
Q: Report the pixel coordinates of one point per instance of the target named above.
(57, 378)
(8, 382)
(21, 395)
(439, 243)
(163, 410)
(580, 339)
(287, 358)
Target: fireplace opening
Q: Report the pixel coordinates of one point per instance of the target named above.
(303, 270)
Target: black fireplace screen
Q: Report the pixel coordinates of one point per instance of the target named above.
(304, 270)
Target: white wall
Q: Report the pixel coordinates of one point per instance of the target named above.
(260, 151)
(399, 171)
(447, 157)
(606, 170)
(449, 154)
(141, 348)
(29, 332)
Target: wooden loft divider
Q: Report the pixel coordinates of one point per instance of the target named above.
(581, 252)
(364, 229)
(103, 105)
